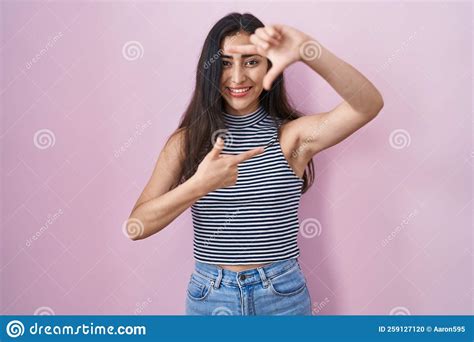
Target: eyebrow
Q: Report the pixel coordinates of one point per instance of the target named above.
(243, 56)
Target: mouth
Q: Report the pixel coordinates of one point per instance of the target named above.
(238, 92)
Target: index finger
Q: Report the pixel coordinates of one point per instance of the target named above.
(248, 49)
(247, 155)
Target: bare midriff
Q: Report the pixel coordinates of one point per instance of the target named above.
(239, 268)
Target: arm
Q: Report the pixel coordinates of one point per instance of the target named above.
(157, 206)
(362, 102)
(285, 45)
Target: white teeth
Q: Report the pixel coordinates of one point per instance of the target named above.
(243, 90)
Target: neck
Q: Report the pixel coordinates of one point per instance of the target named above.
(245, 120)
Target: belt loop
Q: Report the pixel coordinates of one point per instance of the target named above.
(218, 279)
(263, 276)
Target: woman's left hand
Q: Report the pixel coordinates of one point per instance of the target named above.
(280, 43)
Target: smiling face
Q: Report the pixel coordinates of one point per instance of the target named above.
(242, 77)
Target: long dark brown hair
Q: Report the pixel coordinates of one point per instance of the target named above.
(203, 116)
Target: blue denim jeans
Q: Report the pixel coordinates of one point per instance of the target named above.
(278, 288)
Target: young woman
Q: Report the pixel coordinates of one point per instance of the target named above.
(241, 158)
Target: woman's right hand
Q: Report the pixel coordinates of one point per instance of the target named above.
(218, 170)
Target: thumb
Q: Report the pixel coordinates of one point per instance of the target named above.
(271, 75)
(217, 148)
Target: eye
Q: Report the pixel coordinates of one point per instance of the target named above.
(225, 63)
(252, 62)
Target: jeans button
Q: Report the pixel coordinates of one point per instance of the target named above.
(242, 277)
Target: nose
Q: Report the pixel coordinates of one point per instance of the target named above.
(238, 74)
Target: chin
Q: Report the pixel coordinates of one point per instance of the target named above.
(241, 103)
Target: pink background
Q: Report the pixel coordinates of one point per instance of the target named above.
(407, 174)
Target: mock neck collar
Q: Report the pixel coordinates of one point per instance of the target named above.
(246, 120)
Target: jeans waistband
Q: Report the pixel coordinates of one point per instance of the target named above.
(218, 274)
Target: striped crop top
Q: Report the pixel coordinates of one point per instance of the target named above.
(255, 220)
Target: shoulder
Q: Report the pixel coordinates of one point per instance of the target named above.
(177, 137)
(176, 141)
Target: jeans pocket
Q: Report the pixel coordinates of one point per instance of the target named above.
(290, 282)
(199, 287)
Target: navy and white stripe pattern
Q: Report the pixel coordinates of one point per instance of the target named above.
(255, 220)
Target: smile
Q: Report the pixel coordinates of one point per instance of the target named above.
(238, 92)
